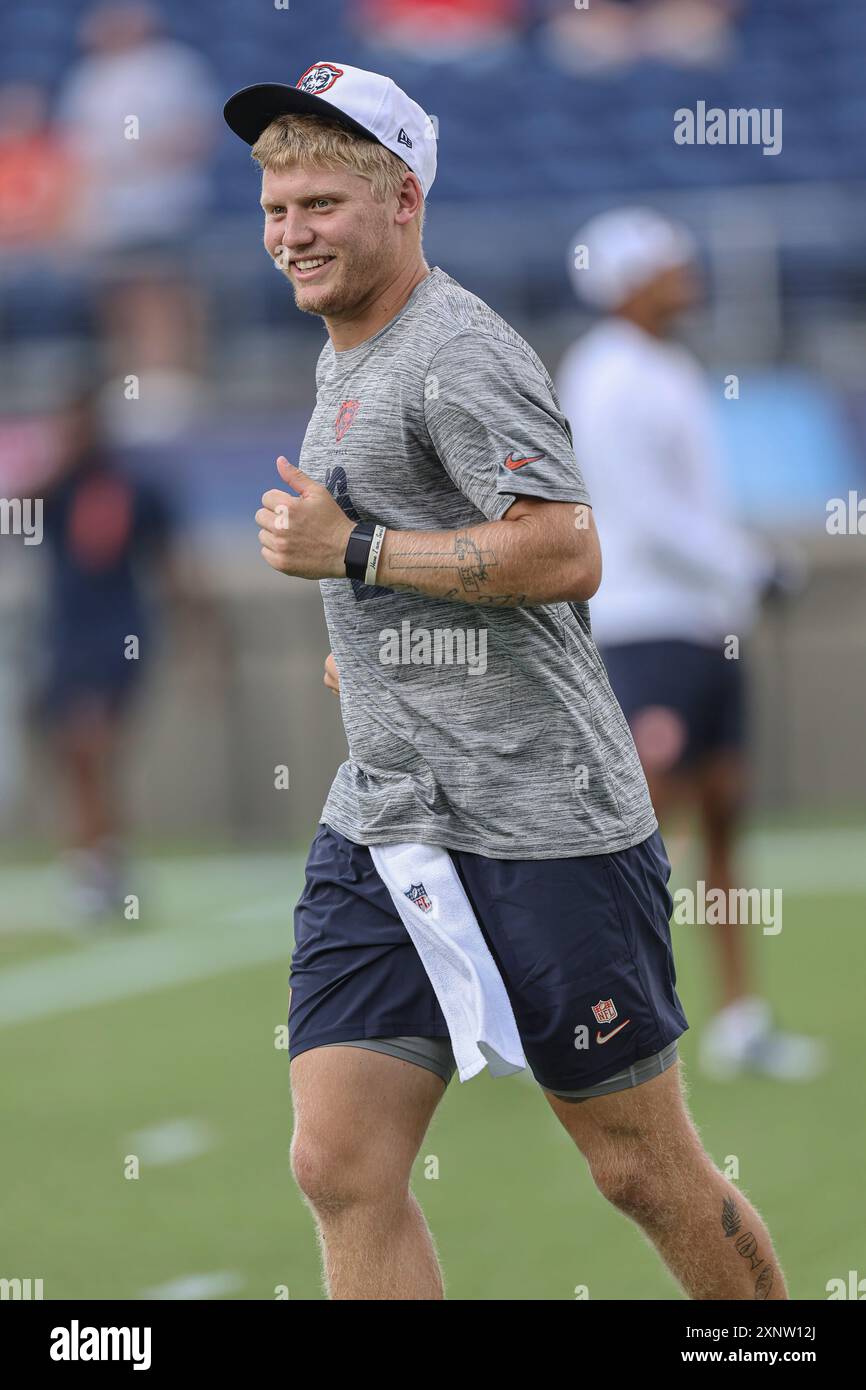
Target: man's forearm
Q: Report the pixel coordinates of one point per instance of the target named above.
(498, 563)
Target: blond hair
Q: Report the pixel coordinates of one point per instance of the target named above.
(293, 140)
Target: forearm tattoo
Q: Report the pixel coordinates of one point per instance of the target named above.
(471, 562)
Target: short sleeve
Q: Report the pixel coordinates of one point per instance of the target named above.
(496, 425)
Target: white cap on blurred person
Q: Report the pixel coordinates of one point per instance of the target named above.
(366, 102)
(625, 250)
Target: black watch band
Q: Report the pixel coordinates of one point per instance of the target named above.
(358, 550)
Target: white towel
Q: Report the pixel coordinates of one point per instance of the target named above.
(438, 916)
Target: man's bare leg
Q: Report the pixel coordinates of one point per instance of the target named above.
(722, 786)
(88, 747)
(360, 1117)
(672, 793)
(646, 1158)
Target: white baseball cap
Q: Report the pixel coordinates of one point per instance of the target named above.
(626, 249)
(365, 102)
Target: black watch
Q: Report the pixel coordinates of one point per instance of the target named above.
(358, 550)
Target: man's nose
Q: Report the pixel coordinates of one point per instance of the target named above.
(297, 231)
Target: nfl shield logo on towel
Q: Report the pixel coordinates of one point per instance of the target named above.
(417, 894)
(604, 1010)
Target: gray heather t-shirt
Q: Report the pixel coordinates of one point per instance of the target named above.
(475, 727)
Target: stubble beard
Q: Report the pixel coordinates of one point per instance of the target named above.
(354, 277)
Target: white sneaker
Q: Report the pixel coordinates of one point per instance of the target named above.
(742, 1039)
(93, 889)
(787, 1057)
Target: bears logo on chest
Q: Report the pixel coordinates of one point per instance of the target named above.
(345, 417)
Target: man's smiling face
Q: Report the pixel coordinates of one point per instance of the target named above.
(329, 236)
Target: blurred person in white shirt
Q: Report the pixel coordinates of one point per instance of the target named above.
(139, 110)
(139, 114)
(681, 578)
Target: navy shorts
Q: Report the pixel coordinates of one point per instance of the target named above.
(68, 691)
(583, 946)
(683, 700)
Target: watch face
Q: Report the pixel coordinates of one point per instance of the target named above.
(358, 549)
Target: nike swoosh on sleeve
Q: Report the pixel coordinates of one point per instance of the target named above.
(513, 463)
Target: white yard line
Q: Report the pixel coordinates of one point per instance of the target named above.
(109, 970)
(812, 861)
(801, 861)
(173, 1141)
(31, 896)
(195, 1287)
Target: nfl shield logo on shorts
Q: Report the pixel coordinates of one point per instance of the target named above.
(604, 1010)
(417, 894)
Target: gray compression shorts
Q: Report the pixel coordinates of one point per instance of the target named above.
(435, 1055)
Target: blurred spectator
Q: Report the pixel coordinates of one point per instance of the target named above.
(682, 581)
(108, 534)
(604, 35)
(38, 175)
(140, 112)
(698, 33)
(40, 182)
(441, 29)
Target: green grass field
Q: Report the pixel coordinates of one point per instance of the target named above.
(158, 1040)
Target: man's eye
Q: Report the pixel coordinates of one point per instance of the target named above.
(317, 201)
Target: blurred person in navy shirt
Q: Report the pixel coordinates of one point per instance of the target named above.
(103, 530)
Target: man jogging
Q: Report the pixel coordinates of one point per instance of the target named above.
(439, 494)
(681, 576)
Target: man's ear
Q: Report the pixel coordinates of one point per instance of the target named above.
(410, 198)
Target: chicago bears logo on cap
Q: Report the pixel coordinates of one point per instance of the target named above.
(319, 78)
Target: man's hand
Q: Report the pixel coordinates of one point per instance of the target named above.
(332, 675)
(305, 536)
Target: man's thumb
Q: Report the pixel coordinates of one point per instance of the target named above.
(298, 481)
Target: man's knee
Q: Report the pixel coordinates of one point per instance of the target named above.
(360, 1117)
(626, 1177)
(642, 1171)
(335, 1174)
(641, 1146)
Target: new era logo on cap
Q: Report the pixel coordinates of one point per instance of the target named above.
(367, 102)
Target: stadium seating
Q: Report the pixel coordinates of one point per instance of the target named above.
(793, 54)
